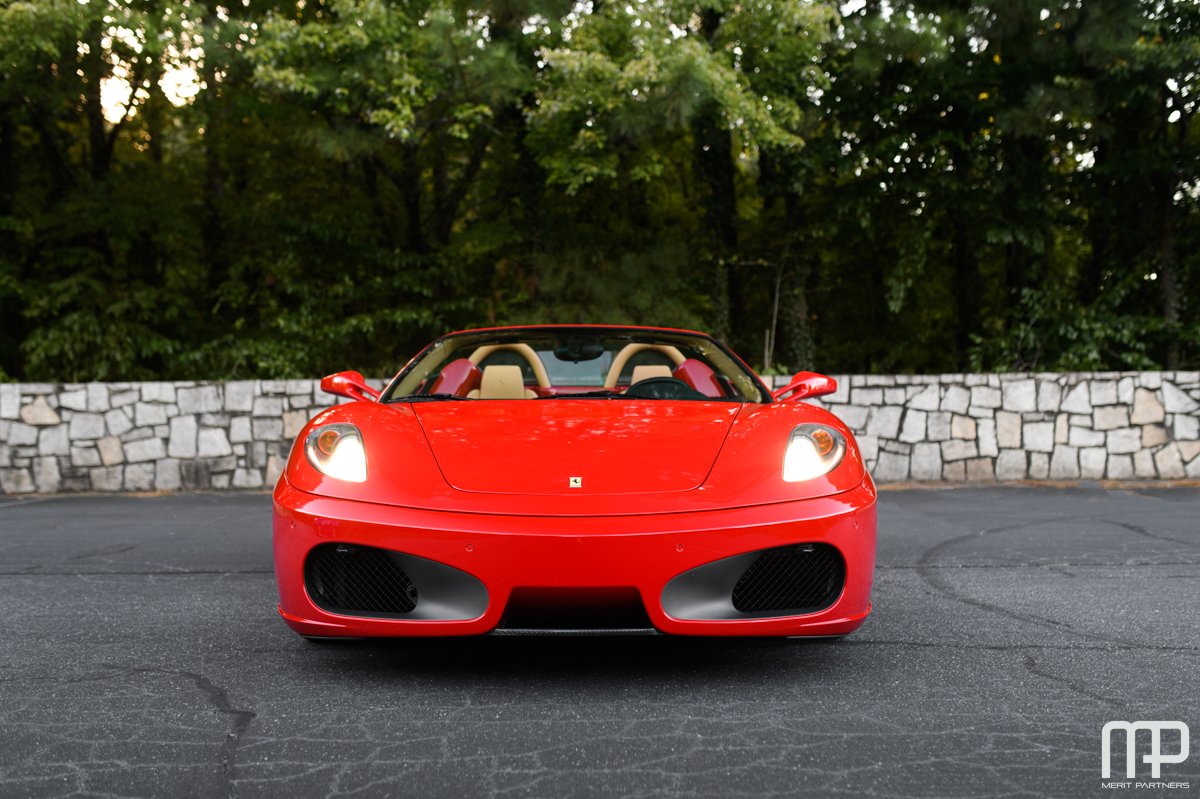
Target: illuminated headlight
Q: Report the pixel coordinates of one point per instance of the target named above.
(812, 451)
(337, 450)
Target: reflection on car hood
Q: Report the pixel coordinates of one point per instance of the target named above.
(611, 446)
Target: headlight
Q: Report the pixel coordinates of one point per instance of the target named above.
(812, 451)
(337, 450)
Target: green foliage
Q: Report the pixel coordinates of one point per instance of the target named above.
(914, 186)
(1055, 332)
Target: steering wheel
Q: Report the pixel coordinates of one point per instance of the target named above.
(666, 388)
(629, 350)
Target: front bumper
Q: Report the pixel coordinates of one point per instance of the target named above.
(640, 552)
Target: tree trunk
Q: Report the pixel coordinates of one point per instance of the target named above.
(1091, 279)
(54, 150)
(213, 227)
(94, 71)
(1167, 278)
(1168, 185)
(383, 226)
(525, 174)
(152, 112)
(439, 179)
(798, 348)
(12, 333)
(410, 190)
(145, 254)
(797, 265)
(449, 195)
(964, 257)
(712, 162)
(8, 173)
(1023, 166)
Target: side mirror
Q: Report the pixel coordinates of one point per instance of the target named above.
(349, 384)
(806, 384)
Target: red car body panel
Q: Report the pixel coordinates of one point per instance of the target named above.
(405, 472)
(519, 447)
(483, 487)
(639, 551)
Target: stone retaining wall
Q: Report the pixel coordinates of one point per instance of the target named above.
(987, 427)
(188, 435)
(150, 436)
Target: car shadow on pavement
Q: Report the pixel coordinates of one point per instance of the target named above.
(577, 658)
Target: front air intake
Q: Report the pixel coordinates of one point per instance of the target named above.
(802, 578)
(358, 580)
(575, 610)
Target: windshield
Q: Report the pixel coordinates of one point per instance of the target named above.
(576, 363)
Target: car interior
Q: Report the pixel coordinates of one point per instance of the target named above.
(515, 371)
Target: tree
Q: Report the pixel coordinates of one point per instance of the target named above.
(282, 189)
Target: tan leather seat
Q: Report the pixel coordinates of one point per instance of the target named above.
(502, 382)
(648, 371)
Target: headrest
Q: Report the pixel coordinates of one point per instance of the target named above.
(502, 382)
(641, 373)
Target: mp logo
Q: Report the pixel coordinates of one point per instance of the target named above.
(1156, 758)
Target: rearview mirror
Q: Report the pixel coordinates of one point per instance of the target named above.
(349, 384)
(806, 384)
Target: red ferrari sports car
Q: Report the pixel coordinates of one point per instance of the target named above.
(569, 479)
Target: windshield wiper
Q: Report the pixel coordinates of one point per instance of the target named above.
(602, 394)
(426, 398)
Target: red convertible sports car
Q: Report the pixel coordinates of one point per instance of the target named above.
(575, 479)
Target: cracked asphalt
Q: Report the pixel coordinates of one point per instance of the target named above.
(140, 655)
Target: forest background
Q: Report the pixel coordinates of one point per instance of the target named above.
(196, 189)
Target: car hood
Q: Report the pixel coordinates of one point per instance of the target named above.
(565, 446)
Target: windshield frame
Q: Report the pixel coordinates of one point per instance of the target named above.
(635, 333)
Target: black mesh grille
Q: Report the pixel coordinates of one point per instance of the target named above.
(358, 580)
(802, 579)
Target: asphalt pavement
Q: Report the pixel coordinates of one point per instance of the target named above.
(140, 655)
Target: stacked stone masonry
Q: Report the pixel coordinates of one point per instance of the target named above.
(1005, 427)
(151, 436)
(911, 428)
